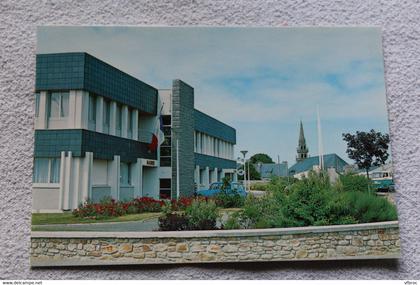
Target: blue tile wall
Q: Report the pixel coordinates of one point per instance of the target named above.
(81, 71)
(209, 125)
(50, 143)
(211, 161)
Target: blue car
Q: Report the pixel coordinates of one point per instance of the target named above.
(216, 188)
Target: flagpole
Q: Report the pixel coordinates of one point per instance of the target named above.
(177, 169)
(320, 146)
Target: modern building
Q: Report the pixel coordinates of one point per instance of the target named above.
(332, 163)
(268, 170)
(93, 129)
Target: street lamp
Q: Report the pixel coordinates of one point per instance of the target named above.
(244, 152)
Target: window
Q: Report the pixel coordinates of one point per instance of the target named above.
(165, 189)
(166, 120)
(46, 170)
(118, 115)
(125, 177)
(59, 104)
(92, 108)
(165, 161)
(106, 116)
(37, 98)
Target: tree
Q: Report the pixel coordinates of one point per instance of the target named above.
(367, 149)
(254, 173)
(261, 157)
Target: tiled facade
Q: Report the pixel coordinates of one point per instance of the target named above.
(81, 71)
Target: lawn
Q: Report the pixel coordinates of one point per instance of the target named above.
(68, 218)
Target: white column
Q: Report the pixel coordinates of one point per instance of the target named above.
(76, 183)
(197, 175)
(41, 122)
(199, 142)
(206, 181)
(214, 175)
(62, 179)
(78, 109)
(114, 177)
(137, 178)
(67, 180)
(223, 174)
(99, 114)
(113, 118)
(124, 121)
(135, 124)
(87, 177)
(235, 177)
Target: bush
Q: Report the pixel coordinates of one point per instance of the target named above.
(173, 222)
(225, 200)
(352, 182)
(312, 201)
(202, 215)
(368, 208)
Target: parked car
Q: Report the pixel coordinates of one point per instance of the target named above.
(216, 188)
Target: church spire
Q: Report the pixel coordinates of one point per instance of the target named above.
(302, 150)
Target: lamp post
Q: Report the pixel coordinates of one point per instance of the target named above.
(244, 152)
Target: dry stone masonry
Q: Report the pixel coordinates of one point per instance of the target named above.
(375, 240)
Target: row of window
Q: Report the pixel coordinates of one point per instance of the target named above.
(47, 170)
(209, 145)
(165, 148)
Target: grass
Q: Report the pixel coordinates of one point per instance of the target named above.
(68, 218)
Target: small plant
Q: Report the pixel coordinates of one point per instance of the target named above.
(202, 215)
(353, 182)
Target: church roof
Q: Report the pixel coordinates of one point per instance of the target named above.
(330, 160)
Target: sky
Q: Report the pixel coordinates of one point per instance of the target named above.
(261, 81)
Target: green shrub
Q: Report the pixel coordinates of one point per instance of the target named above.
(233, 222)
(368, 208)
(202, 215)
(353, 182)
(312, 201)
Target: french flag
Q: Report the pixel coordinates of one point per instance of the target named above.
(158, 135)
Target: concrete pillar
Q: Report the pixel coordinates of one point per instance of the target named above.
(114, 177)
(62, 179)
(135, 124)
(113, 118)
(41, 122)
(86, 177)
(223, 173)
(214, 175)
(78, 109)
(100, 114)
(124, 121)
(199, 142)
(235, 177)
(67, 180)
(76, 183)
(137, 178)
(197, 175)
(206, 181)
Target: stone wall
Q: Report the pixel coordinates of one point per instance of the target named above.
(363, 241)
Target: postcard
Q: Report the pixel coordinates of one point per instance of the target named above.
(160, 145)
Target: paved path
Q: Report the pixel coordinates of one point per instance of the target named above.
(133, 226)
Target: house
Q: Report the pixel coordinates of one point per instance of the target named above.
(93, 131)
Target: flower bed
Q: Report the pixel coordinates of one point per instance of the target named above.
(111, 208)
